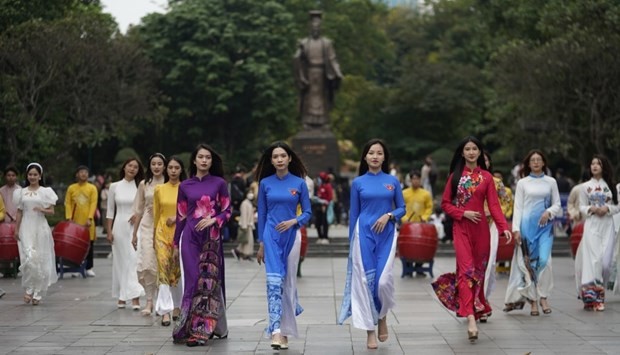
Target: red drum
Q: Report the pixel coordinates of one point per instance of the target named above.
(304, 242)
(71, 241)
(505, 250)
(575, 238)
(8, 244)
(417, 242)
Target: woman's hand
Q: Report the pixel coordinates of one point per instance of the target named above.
(472, 216)
(508, 236)
(16, 235)
(380, 223)
(204, 223)
(517, 236)
(110, 238)
(260, 254)
(171, 221)
(134, 241)
(602, 211)
(286, 225)
(544, 219)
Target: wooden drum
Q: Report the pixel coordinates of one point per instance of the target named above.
(71, 241)
(8, 244)
(417, 242)
(575, 238)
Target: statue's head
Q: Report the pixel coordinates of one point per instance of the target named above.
(315, 23)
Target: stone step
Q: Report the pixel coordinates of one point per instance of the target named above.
(339, 247)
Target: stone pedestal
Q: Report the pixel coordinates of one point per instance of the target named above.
(318, 149)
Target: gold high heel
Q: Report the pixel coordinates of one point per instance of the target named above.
(276, 342)
(472, 335)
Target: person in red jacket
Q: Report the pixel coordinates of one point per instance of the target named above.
(325, 194)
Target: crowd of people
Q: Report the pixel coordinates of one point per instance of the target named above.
(167, 231)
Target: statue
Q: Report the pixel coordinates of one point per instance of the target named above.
(317, 74)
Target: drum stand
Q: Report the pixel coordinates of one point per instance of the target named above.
(66, 266)
(409, 267)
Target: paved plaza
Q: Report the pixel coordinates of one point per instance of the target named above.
(78, 316)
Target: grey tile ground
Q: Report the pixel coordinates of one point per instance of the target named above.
(79, 317)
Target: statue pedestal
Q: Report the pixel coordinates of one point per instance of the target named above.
(318, 149)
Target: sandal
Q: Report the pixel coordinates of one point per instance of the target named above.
(371, 340)
(276, 341)
(165, 320)
(546, 310)
(534, 313)
(35, 302)
(284, 343)
(27, 298)
(513, 306)
(483, 318)
(383, 330)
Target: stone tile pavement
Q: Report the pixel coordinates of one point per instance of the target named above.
(78, 316)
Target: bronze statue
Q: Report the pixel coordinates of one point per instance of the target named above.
(317, 74)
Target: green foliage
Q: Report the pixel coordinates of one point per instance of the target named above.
(53, 102)
(226, 68)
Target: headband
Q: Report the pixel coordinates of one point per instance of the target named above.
(35, 164)
(163, 157)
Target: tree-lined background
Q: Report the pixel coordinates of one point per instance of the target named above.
(517, 74)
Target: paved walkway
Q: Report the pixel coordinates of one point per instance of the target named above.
(78, 316)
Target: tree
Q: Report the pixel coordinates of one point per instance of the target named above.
(226, 71)
(560, 93)
(53, 102)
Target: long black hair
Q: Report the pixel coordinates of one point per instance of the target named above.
(217, 166)
(608, 174)
(265, 168)
(183, 174)
(526, 170)
(487, 156)
(38, 168)
(458, 162)
(139, 175)
(149, 173)
(385, 166)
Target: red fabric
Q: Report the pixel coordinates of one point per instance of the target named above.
(326, 192)
(472, 240)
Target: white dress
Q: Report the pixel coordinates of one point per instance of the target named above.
(147, 260)
(36, 245)
(125, 285)
(595, 267)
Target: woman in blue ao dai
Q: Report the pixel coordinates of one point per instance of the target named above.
(596, 261)
(537, 202)
(282, 189)
(376, 204)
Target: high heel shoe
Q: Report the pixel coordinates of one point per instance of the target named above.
(276, 342)
(383, 330)
(165, 320)
(472, 335)
(546, 310)
(284, 343)
(371, 340)
(534, 313)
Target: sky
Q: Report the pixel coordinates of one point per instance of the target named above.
(128, 12)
